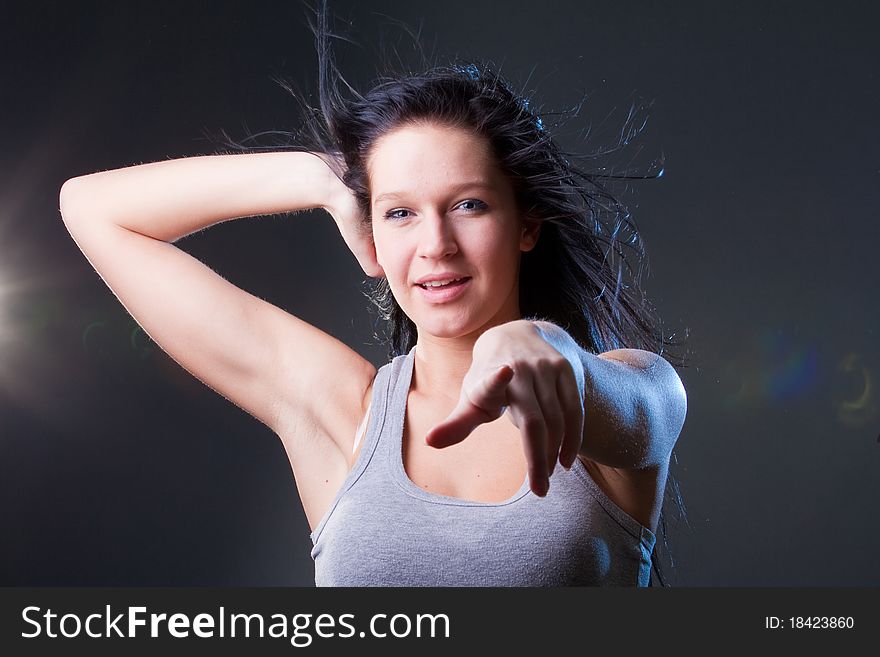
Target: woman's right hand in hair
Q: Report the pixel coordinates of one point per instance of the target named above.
(342, 205)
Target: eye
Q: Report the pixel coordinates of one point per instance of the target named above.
(476, 203)
(392, 214)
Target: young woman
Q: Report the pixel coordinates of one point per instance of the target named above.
(512, 440)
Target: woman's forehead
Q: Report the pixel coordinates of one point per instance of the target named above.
(415, 158)
(429, 146)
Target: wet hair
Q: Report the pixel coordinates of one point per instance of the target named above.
(582, 275)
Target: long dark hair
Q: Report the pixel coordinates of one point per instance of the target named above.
(584, 272)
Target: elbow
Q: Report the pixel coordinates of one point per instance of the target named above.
(67, 198)
(78, 203)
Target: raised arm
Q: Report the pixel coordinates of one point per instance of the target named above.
(268, 362)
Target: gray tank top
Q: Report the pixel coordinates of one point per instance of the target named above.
(384, 530)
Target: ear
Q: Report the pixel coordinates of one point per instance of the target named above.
(531, 229)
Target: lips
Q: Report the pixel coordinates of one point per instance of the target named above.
(444, 293)
(440, 276)
(441, 283)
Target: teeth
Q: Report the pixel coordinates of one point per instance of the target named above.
(440, 283)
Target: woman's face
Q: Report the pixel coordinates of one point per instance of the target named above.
(441, 208)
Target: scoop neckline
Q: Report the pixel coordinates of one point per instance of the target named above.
(402, 389)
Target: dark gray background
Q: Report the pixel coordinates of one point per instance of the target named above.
(119, 468)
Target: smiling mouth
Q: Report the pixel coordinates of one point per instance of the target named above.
(435, 286)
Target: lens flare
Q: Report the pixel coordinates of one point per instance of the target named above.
(860, 409)
(771, 367)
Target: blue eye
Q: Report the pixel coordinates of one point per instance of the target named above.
(479, 204)
(391, 214)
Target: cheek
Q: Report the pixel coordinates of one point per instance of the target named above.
(496, 247)
(393, 254)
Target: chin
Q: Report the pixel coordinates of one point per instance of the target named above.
(448, 327)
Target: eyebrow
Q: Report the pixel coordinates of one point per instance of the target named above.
(482, 184)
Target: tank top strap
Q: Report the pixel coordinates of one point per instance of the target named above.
(395, 411)
(384, 388)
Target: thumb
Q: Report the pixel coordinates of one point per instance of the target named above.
(484, 404)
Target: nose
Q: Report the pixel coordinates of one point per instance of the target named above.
(436, 239)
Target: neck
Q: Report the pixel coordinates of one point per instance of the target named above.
(440, 366)
(441, 363)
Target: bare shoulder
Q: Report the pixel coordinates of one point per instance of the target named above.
(638, 492)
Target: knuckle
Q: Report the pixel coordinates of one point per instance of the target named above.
(545, 364)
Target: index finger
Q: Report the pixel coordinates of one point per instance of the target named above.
(483, 405)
